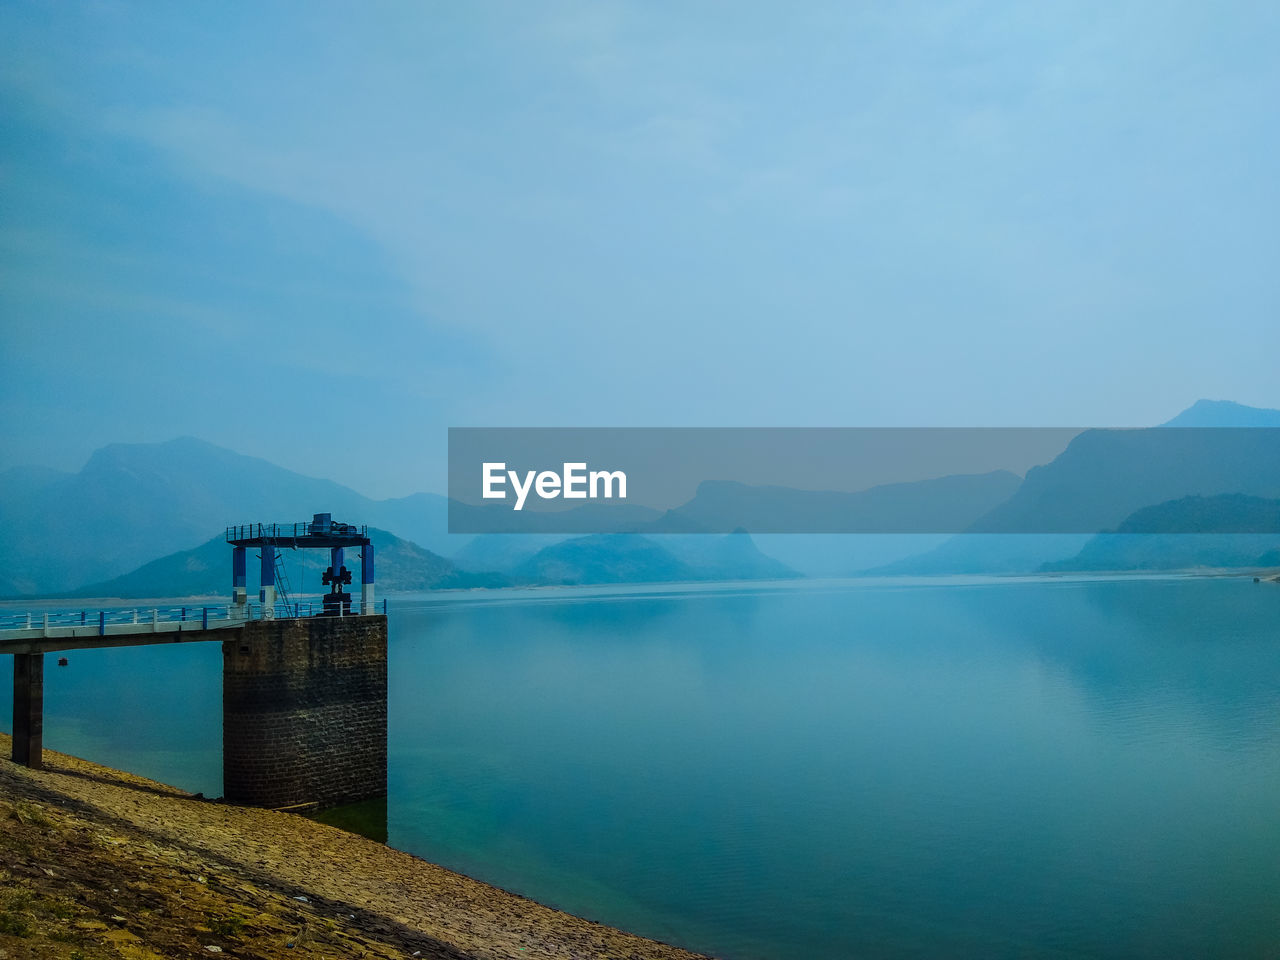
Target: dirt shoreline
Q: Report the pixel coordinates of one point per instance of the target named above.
(98, 863)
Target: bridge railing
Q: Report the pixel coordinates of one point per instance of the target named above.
(293, 531)
(199, 617)
(14, 620)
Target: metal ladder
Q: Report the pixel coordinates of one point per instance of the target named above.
(282, 579)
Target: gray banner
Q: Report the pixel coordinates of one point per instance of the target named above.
(864, 480)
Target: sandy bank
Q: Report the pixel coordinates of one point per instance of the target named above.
(98, 863)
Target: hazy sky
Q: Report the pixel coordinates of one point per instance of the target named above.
(324, 233)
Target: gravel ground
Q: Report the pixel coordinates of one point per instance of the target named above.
(96, 863)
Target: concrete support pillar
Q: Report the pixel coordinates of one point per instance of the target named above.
(28, 709)
(239, 581)
(268, 580)
(366, 579)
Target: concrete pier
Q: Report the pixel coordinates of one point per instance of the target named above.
(304, 712)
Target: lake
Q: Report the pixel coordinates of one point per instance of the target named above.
(814, 770)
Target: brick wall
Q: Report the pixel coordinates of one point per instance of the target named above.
(304, 712)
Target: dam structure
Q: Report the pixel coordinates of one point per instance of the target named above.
(304, 684)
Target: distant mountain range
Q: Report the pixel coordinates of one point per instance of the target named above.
(1224, 413)
(132, 503)
(985, 553)
(1104, 480)
(922, 506)
(632, 558)
(402, 566)
(600, 558)
(1234, 531)
(1106, 475)
(140, 517)
(504, 552)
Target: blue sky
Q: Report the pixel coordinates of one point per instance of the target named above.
(322, 234)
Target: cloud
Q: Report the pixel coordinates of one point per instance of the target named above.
(721, 213)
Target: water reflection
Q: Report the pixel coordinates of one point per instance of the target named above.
(815, 770)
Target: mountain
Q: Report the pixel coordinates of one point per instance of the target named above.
(1233, 531)
(985, 553)
(844, 554)
(604, 558)
(403, 566)
(1105, 477)
(733, 556)
(503, 552)
(722, 506)
(1224, 413)
(631, 558)
(420, 517)
(205, 571)
(496, 519)
(133, 502)
(1232, 513)
(923, 506)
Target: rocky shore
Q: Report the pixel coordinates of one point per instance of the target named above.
(96, 863)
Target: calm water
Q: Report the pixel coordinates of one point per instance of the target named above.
(815, 771)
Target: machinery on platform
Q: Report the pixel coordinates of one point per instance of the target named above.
(337, 602)
(322, 532)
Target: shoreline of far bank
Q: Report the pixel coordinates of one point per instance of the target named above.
(479, 594)
(562, 590)
(99, 863)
